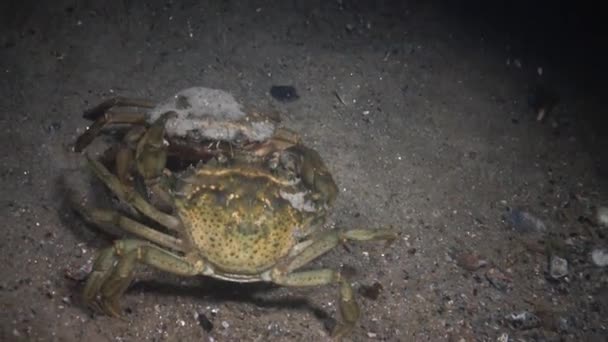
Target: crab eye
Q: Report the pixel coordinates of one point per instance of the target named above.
(274, 161)
(289, 161)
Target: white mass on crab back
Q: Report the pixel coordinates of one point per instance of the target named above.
(211, 114)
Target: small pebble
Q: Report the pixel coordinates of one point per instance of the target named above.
(53, 127)
(79, 272)
(558, 267)
(517, 62)
(523, 320)
(564, 324)
(225, 325)
(602, 216)
(599, 256)
(468, 260)
(274, 329)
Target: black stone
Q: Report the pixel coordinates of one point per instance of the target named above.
(284, 93)
(205, 322)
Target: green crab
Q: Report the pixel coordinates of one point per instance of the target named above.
(252, 217)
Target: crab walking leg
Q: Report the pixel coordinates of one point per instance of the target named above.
(105, 218)
(348, 306)
(113, 271)
(125, 153)
(131, 197)
(106, 119)
(349, 309)
(119, 101)
(151, 156)
(331, 239)
(101, 271)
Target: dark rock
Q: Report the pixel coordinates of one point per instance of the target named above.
(284, 93)
(371, 292)
(205, 323)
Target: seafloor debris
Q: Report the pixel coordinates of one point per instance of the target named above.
(525, 222)
(542, 100)
(470, 261)
(498, 279)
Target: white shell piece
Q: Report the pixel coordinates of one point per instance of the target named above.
(298, 201)
(210, 114)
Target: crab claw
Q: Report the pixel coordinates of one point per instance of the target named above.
(152, 150)
(309, 166)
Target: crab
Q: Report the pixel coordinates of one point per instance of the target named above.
(205, 123)
(253, 217)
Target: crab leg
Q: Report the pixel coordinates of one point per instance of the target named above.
(121, 155)
(349, 309)
(151, 157)
(119, 101)
(106, 119)
(125, 153)
(104, 218)
(314, 173)
(327, 241)
(151, 153)
(282, 274)
(131, 197)
(113, 271)
(102, 268)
